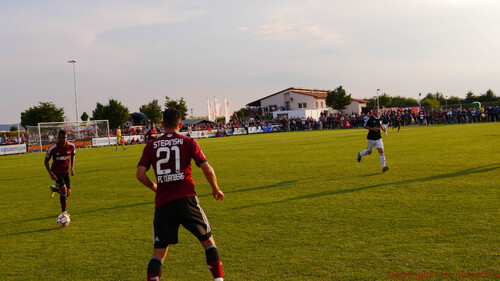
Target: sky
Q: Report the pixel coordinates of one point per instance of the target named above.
(138, 51)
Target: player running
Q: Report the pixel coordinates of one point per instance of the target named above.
(176, 202)
(398, 122)
(374, 139)
(386, 119)
(62, 153)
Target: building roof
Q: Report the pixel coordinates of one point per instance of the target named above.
(195, 121)
(317, 93)
(360, 101)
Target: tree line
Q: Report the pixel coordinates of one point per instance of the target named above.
(434, 100)
(338, 99)
(115, 112)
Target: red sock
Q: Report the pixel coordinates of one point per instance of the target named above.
(216, 269)
(63, 204)
(153, 277)
(55, 189)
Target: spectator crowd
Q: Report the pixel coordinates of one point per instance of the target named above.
(404, 117)
(256, 118)
(5, 140)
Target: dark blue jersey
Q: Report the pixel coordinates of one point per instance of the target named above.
(373, 122)
(386, 119)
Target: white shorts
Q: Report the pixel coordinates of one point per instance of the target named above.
(374, 143)
(385, 126)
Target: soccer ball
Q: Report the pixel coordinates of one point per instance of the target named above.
(63, 220)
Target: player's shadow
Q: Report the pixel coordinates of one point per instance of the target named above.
(93, 211)
(278, 184)
(98, 170)
(477, 170)
(113, 208)
(312, 143)
(22, 178)
(283, 183)
(29, 232)
(79, 172)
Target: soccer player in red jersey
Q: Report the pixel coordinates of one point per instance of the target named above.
(62, 153)
(176, 202)
(151, 134)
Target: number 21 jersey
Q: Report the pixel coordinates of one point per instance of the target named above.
(170, 155)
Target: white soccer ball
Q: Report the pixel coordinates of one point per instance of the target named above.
(63, 220)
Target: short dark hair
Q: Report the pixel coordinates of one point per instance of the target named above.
(62, 132)
(171, 118)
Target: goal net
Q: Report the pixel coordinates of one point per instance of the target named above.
(81, 134)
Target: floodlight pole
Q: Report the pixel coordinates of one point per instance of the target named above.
(378, 104)
(419, 102)
(40, 137)
(74, 81)
(446, 102)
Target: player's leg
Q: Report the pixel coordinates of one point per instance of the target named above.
(367, 151)
(65, 191)
(155, 264)
(63, 199)
(364, 153)
(213, 259)
(195, 220)
(380, 148)
(61, 189)
(54, 189)
(165, 233)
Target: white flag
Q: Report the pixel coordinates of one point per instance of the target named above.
(226, 110)
(218, 108)
(210, 110)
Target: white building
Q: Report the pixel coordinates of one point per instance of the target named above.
(303, 102)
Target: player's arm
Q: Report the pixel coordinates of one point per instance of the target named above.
(144, 179)
(52, 175)
(212, 179)
(375, 129)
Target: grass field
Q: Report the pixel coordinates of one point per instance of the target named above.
(298, 207)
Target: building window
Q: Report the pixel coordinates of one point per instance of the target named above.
(302, 105)
(317, 105)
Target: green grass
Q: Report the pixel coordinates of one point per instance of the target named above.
(298, 207)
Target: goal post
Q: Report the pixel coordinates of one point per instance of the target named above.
(82, 134)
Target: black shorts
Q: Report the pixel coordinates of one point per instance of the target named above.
(185, 211)
(63, 179)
